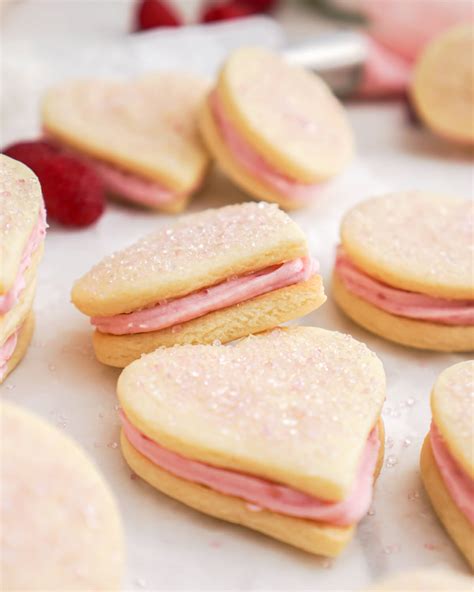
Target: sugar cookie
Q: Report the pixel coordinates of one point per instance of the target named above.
(443, 85)
(216, 275)
(404, 270)
(275, 129)
(22, 232)
(447, 458)
(140, 136)
(61, 528)
(280, 433)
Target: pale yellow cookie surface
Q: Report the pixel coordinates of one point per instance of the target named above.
(452, 406)
(234, 169)
(287, 114)
(252, 316)
(198, 251)
(415, 241)
(60, 524)
(292, 405)
(453, 520)
(24, 338)
(147, 127)
(443, 85)
(20, 203)
(411, 332)
(314, 537)
(426, 580)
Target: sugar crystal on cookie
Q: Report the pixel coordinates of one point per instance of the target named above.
(195, 238)
(290, 394)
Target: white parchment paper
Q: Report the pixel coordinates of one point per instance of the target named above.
(171, 547)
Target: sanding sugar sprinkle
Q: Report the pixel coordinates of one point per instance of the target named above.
(283, 387)
(438, 246)
(20, 200)
(453, 396)
(197, 237)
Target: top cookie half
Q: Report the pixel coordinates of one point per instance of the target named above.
(420, 242)
(198, 251)
(146, 126)
(288, 114)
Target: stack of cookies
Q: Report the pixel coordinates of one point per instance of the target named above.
(22, 232)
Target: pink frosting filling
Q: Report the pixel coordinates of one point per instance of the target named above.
(254, 162)
(6, 352)
(133, 187)
(261, 493)
(10, 298)
(167, 314)
(458, 483)
(400, 302)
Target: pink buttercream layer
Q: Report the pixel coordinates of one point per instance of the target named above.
(254, 162)
(10, 298)
(400, 302)
(6, 352)
(260, 492)
(133, 187)
(233, 291)
(458, 483)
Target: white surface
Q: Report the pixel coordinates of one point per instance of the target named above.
(171, 547)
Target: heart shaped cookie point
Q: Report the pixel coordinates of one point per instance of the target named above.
(292, 407)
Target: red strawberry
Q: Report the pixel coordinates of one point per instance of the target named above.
(226, 11)
(72, 191)
(262, 5)
(155, 13)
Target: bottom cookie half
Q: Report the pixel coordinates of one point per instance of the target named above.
(313, 537)
(253, 316)
(411, 332)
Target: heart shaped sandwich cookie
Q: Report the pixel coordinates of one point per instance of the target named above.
(275, 129)
(140, 136)
(447, 458)
(61, 529)
(217, 275)
(22, 232)
(404, 270)
(443, 85)
(280, 432)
